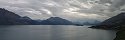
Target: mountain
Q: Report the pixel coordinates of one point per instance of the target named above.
(112, 22)
(120, 35)
(115, 23)
(56, 21)
(116, 20)
(10, 18)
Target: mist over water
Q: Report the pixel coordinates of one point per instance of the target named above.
(58, 32)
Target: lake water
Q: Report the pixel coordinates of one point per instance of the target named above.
(58, 32)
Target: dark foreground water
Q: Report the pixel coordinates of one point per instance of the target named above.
(59, 32)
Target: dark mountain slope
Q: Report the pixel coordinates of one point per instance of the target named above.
(113, 22)
(118, 19)
(10, 18)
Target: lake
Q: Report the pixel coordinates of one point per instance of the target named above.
(54, 32)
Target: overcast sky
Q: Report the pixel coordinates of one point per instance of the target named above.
(69, 9)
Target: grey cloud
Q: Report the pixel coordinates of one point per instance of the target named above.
(69, 9)
(106, 1)
(117, 4)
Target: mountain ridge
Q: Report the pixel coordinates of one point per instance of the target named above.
(10, 18)
(56, 21)
(114, 23)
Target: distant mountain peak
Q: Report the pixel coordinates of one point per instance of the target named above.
(55, 18)
(2, 9)
(57, 21)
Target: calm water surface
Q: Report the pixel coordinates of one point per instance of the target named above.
(58, 32)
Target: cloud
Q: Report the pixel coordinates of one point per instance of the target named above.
(117, 5)
(69, 9)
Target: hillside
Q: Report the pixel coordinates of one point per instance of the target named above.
(115, 23)
(10, 18)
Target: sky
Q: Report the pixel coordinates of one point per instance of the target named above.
(74, 10)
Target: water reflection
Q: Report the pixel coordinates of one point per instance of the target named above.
(40, 32)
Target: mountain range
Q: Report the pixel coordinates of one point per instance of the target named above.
(10, 18)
